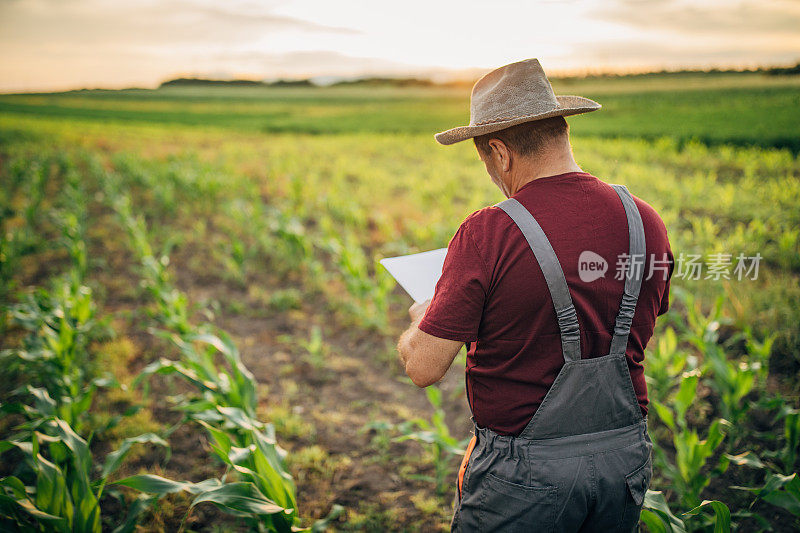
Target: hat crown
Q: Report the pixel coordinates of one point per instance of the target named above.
(515, 90)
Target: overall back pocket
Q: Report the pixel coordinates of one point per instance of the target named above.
(507, 506)
(637, 483)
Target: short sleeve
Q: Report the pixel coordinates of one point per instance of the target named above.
(664, 301)
(665, 298)
(457, 304)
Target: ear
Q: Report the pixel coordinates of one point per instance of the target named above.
(501, 154)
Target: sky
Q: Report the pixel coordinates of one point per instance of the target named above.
(68, 44)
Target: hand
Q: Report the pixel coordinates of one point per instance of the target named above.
(417, 310)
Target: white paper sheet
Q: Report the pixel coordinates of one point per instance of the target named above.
(417, 273)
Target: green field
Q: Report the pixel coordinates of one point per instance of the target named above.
(199, 266)
(742, 109)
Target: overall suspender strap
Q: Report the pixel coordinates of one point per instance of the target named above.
(553, 275)
(634, 274)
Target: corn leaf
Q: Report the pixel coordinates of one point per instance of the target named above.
(722, 522)
(157, 485)
(242, 497)
(115, 458)
(656, 504)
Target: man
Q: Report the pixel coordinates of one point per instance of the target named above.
(555, 336)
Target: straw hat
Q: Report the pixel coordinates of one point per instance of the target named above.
(511, 95)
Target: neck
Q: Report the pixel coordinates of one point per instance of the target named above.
(551, 163)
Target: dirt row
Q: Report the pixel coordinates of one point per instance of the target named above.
(319, 412)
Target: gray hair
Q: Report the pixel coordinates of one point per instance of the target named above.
(528, 138)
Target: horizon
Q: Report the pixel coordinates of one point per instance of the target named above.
(573, 74)
(52, 46)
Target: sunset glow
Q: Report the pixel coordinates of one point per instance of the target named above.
(48, 44)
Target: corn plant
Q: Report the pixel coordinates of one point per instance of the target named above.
(72, 221)
(61, 323)
(228, 399)
(791, 432)
(691, 453)
(54, 355)
(315, 348)
(232, 385)
(66, 493)
(733, 382)
(435, 435)
(699, 328)
(23, 178)
(665, 364)
(172, 308)
(659, 518)
(657, 515)
(234, 258)
(240, 499)
(781, 491)
(264, 498)
(249, 447)
(759, 353)
(781, 487)
(278, 232)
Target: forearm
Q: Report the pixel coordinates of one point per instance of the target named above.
(404, 344)
(425, 357)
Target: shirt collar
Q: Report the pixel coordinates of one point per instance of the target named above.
(555, 178)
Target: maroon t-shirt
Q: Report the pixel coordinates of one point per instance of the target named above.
(492, 294)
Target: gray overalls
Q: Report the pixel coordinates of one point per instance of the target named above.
(583, 462)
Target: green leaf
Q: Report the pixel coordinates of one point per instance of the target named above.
(685, 395)
(57, 523)
(14, 486)
(722, 523)
(654, 522)
(665, 414)
(782, 491)
(655, 502)
(792, 435)
(241, 497)
(166, 366)
(747, 458)
(152, 484)
(135, 510)
(43, 403)
(785, 500)
(77, 445)
(322, 524)
(115, 458)
(51, 489)
(434, 396)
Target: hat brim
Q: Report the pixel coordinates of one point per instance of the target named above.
(567, 105)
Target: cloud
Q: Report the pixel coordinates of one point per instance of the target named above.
(638, 54)
(308, 63)
(733, 19)
(684, 33)
(252, 15)
(51, 43)
(57, 43)
(106, 23)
